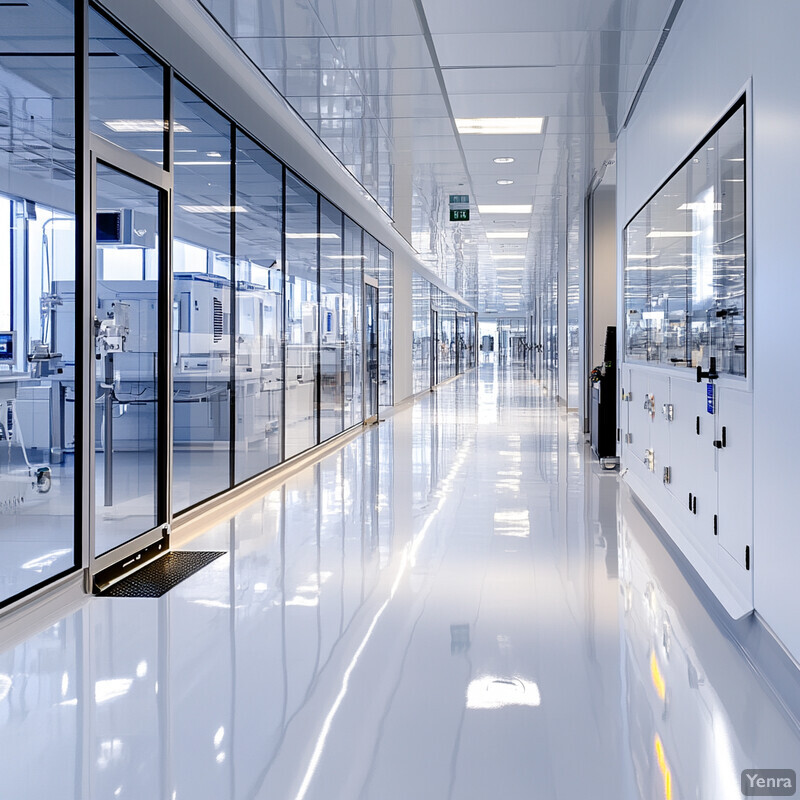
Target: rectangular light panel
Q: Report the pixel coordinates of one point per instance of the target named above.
(143, 126)
(500, 125)
(312, 236)
(214, 209)
(509, 209)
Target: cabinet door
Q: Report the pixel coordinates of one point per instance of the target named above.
(692, 465)
(639, 424)
(624, 388)
(735, 472)
(659, 390)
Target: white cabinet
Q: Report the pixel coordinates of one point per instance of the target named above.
(734, 474)
(704, 500)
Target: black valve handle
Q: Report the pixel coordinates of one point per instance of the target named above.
(712, 371)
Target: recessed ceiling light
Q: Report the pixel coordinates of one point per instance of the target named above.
(522, 209)
(505, 182)
(507, 235)
(312, 235)
(500, 125)
(700, 207)
(508, 258)
(214, 209)
(143, 126)
(503, 160)
(671, 234)
(509, 269)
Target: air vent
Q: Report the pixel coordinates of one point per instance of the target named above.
(217, 320)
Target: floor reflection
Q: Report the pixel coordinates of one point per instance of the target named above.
(459, 603)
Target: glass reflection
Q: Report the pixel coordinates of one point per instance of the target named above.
(421, 333)
(259, 317)
(302, 313)
(331, 346)
(353, 282)
(126, 92)
(385, 323)
(126, 358)
(37, 297)
(201, 317)
(685, 264)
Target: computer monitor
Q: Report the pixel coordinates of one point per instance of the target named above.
(6, 346)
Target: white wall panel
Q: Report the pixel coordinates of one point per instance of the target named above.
(714, 49)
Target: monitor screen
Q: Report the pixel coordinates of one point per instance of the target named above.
(109, 227)
(6, 346)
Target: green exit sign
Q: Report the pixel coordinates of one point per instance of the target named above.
(459, 199)
(459, 215)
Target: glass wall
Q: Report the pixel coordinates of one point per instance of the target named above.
(265, 309)
(302, 314)
(258, 390)
(126, 91)
(331, 348)
(421, 333)
(353, 286)
(37, 294)
(465, 342)
(685, 261)
(201, 318)
(127, 344)
(385, 323)
(443, 335)
(446, 345)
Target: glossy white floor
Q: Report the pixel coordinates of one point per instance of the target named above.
(457, 604)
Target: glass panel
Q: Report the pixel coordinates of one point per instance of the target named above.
(37, 294)
(421, 333)
(302, 312)
(371, 351)
(685, 262)
(127, 339)
(385, 323)
(447, 342)
(434, 344)
(259, 309)
(353, 265)
(126, 92)
(201, 314)
(331, 353)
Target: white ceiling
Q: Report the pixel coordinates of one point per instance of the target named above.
(381, 80)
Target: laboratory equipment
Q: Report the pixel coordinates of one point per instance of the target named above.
(7, 348)
(21, 479)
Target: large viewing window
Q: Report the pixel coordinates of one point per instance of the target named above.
(302, 312)
(191, 318)
(685, 261)
(37, 295)
(259, 309)
(202, 310)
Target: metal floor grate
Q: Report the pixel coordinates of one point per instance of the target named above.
(162, 574)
